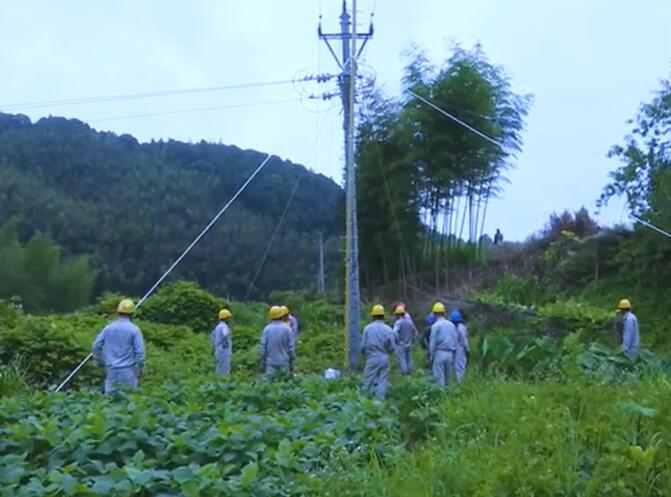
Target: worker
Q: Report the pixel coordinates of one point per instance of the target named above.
(119, 347)
(291, 321)
(277, 349)
(630, 337)
(498, 237)
(407, 315)
(377, 344)
(442, 346)
(404, 335)
(221, 340)
(462, 353)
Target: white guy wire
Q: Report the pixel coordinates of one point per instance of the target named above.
(457, 120)
(179, 259)
(651, 226)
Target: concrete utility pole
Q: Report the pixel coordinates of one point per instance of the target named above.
(321, 283)
(348, 38)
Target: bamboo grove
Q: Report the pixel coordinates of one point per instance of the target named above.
(425, 181)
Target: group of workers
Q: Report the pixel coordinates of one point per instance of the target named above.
(447, 346)
(119, 347)
(278, 342)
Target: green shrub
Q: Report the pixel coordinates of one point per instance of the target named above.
(183, 303)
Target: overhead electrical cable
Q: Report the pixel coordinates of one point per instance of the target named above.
(153, 94)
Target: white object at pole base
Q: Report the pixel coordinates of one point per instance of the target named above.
(179, 259)
(651, 226)
(331, 374)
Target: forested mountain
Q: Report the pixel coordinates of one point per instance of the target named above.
(133, 207)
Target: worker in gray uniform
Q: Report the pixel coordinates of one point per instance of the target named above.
(442, 346)
(404, 334)
(223, 346)
(630, 335)
(119, 347)
(277, 348)
(376, 345)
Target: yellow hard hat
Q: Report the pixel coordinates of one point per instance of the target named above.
(224, 314)
(126, 306)
(275, 312)
(285, 310)
(438, 308)
(400, 310)
(624, 305)
(377, 311)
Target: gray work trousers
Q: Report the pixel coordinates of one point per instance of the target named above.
(279, 369)
(120, 377)
(404, 356)
(223, 361)
(460, 361)
(376, 374)
(443, 366)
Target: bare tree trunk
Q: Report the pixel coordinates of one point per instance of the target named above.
(456, 218)
(484, 212)
(471, 233)
(463, 223)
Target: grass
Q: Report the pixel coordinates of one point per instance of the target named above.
(518, 438)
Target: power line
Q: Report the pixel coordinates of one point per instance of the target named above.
(457, 120)
(275, 233)
(179, 259)
(312, 152)
(156, 94)
(196, 109)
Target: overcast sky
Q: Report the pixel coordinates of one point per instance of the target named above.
(588, 63)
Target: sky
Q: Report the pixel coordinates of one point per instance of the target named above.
(588, 63)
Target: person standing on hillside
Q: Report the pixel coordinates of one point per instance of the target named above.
(442, 346)
(404, 333)
(498, 237)
(277, 349)
(119, 347)
(630, 336)
(223, 347)
(376, 345)
(463, 351)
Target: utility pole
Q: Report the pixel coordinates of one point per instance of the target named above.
(348, 38)
(321, 283)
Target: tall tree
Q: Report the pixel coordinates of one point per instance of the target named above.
(446, 173)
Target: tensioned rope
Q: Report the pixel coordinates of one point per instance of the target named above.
(179, 259)
(651, 226)
(457, 120)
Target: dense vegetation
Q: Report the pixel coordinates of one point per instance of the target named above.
(573, 258)
(133, 207)
(557, 398)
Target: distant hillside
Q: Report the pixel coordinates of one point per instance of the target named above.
(135, 206)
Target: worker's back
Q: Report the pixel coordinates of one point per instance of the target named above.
(122, 344)
(378, 338)
(443, 336)
(276, 343)
(405, 331)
